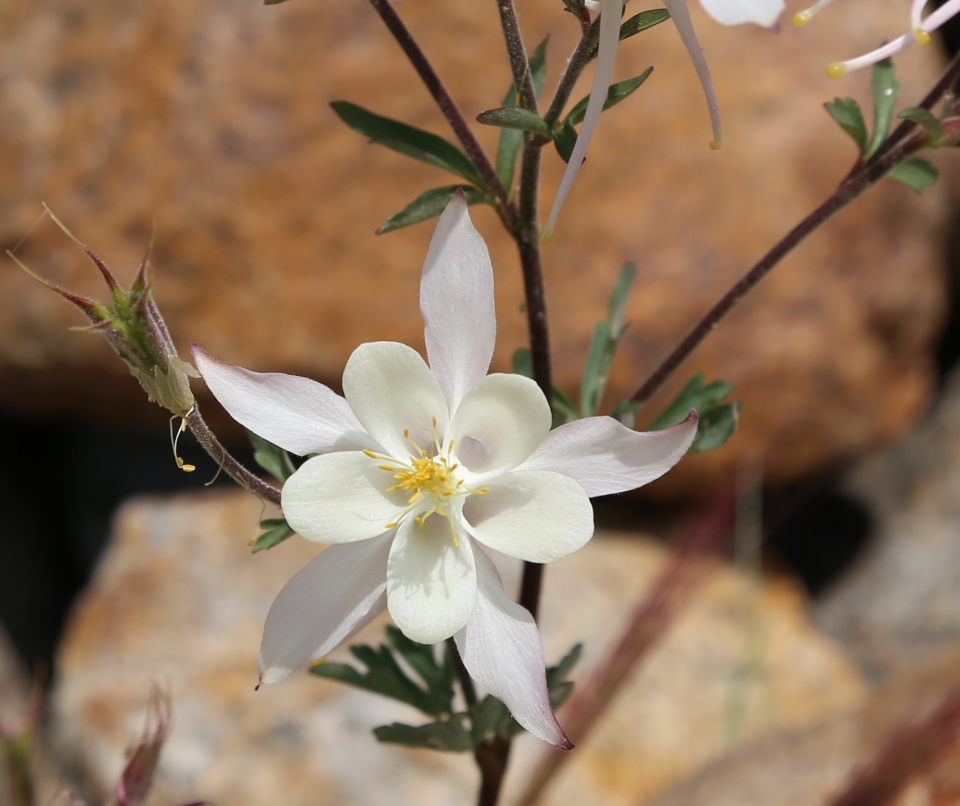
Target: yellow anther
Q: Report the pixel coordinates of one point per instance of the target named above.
(715, 145)
(836, 69)
(185, 467)
(921, 36)
(801, 18)
(371, 454)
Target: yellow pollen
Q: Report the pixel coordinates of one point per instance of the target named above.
(921, 36)
(801, 18)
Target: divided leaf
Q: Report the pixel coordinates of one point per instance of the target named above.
(274, 460)
(718, 420)
(451, 735)
(886, 88)
(408, 140)
(430, 204)
(277, 530)
(915, 173)
(846, 112)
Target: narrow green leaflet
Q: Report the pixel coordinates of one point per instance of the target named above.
(563, 409)
(564, 140)
(274, 460)
(512, 139)
(515, 117)
(384, 676)
(846, 112)
(423, 659)
(718, 420)
(642, 21)
(615, 94)
(276, 531)
(452, 735)
(606, 338)
(408, 140)
(576, 7)
(430, 204)
(886, 89)
(915, 173)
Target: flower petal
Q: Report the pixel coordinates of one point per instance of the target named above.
(331, 598)
(497, 425)
(391, 390)
(537, 515)
(737, 12)
(603, 456)
(431, 583)
(501, 649)
(680, 15)
(340, 498)
(456, 300)
(298, 414)
(610, 13)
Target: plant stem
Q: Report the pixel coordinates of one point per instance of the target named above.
(231, 466)
(492, 758)
(908, 137)
(466, 682)
(581, 57)
(522, 77)
(449, 108)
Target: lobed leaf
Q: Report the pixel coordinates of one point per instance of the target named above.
(277, 530)
(718, 420)
(276, 461)
(886, 89)
(916, 173)
(716, 426)
(451, 735)
(847, 113)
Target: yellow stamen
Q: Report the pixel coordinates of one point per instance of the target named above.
(801, 18)
(921, 36)
(836, 70)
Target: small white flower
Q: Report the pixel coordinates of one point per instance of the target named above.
(417, 468)
(727, 12)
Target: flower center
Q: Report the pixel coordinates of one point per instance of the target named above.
(429, 481)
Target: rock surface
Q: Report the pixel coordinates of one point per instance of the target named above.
(811, 765)
(900, 606)
(179, 600)
(212, 120)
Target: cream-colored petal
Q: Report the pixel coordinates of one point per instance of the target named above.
(431, 581)
(456, 300)
(501, 649)
(391, 390)
(500, 423)
(331, 598)
(535, 515)
(340, 498)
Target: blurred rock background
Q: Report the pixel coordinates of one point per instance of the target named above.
(212, 120)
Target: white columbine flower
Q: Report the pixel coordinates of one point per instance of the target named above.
(418, 468)
(920, 30)
(726, 12)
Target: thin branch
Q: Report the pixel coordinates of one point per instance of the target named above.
(449, 109)
(466, 682)
(230, 466)
(519, 63)
(582, 55)
(907, 138)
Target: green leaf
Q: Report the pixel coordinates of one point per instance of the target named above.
(451, 735)
(271, 458)
(693, 396)
(915, 173)
(384, 676)
(511, 140)
(489, 718)
(429, 204)
(576, 7)
(523, 362)
(615, 94)
(603, 348)
(642, 21)
(560, 688)
(277, 530)
(716, 426)
(273, 2)
(515, 117)
(423, 659)
(886, 88)
(564, 140)
(846, 112)
(929, 121)
(408, 140)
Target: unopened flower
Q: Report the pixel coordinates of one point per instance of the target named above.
(726, 12)
(418, 469)
(920, 30)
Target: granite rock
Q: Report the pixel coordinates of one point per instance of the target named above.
(212, 121)
(180, 601)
